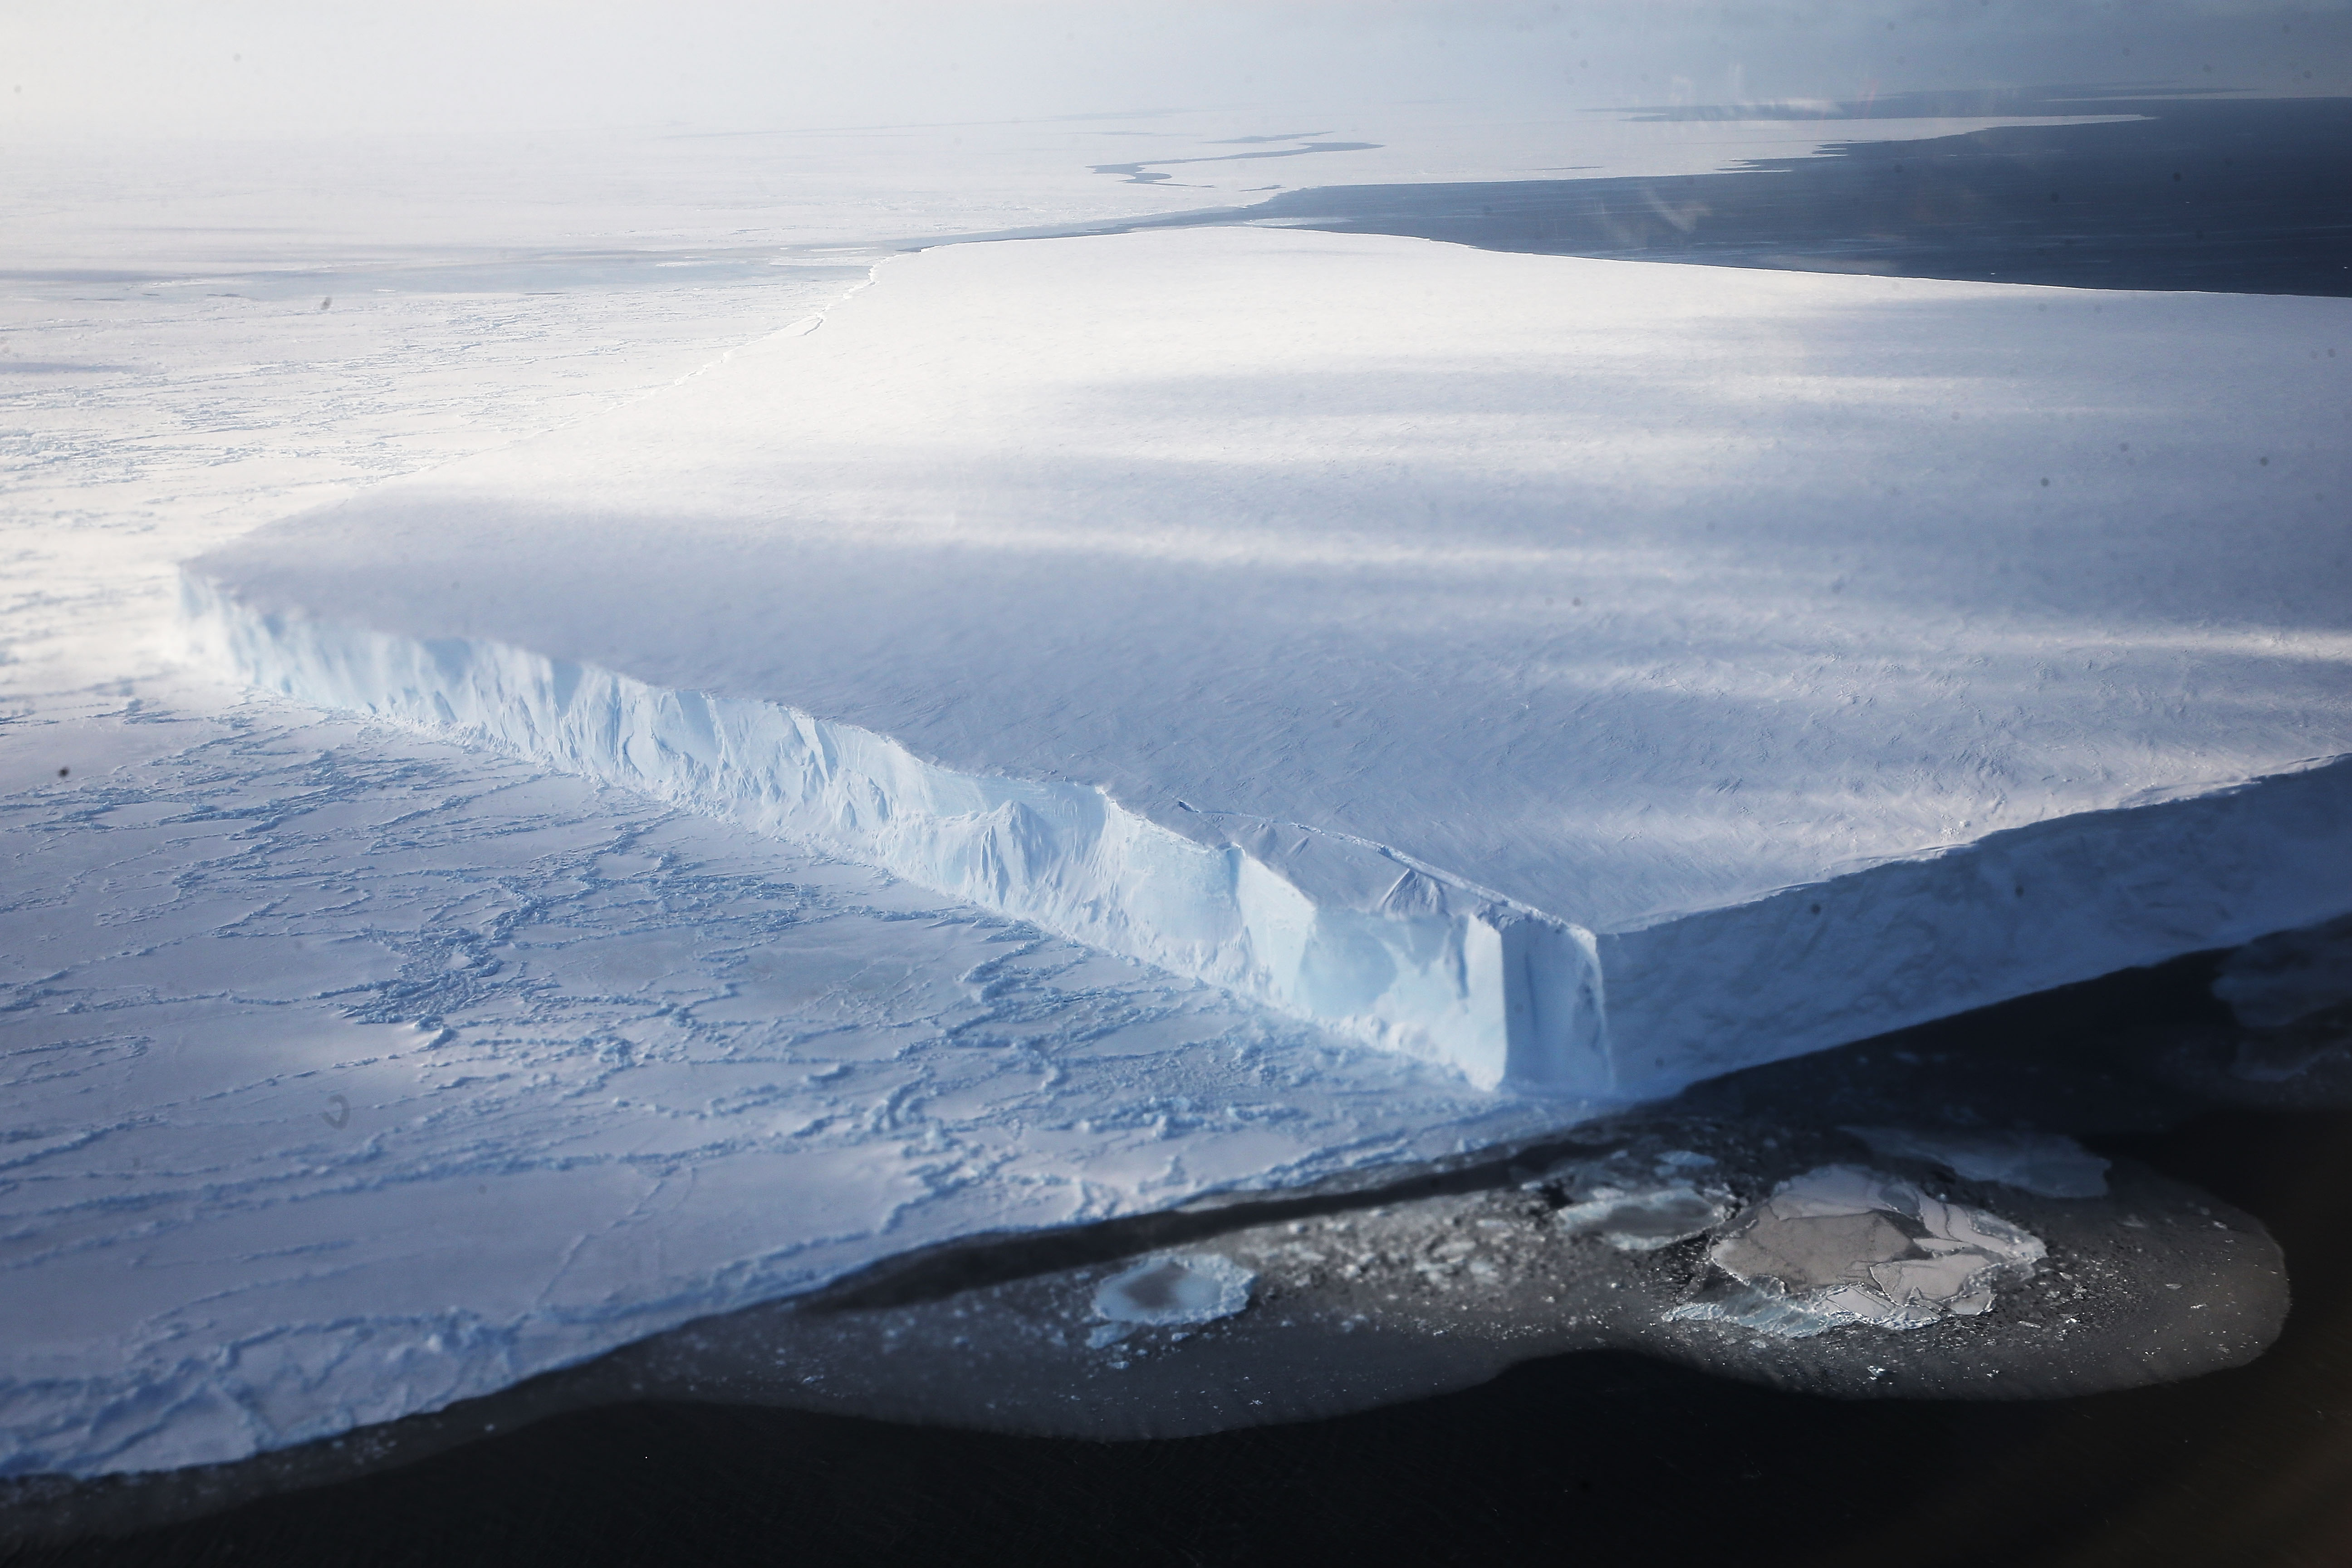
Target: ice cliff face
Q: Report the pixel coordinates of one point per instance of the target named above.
(1327, 928)
(1358, 936)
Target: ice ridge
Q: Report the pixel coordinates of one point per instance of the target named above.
(1335, 930)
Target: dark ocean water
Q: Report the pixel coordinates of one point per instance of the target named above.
(2205, 193)
(1597, 1457)
(1602, 1457)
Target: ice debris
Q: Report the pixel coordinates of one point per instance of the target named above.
(1843, 1245)
(1643, 1221)
(2285, 978)
(2047, 1163)
(1171, 1290)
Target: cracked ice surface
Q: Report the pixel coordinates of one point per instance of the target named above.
(349, 1073)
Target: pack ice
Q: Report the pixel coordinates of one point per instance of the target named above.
(1591, 676)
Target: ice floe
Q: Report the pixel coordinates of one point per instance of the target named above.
(1178, 1290)
(1843, 1244)
(1643, 1221)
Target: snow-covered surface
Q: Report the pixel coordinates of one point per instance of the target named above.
(1646, 1220)
(1443, 645)
(349, 1073)
(363, 213)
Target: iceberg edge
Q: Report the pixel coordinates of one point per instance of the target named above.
(1358, 936)
(1344, 934)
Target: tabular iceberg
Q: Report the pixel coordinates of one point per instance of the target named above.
(1590, 675)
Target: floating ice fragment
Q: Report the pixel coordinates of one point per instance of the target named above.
(1843, 1245)
(1782, 1316)
(2047, 1163)
(1190, 1287)
(2285, 978)
(1643, 1221)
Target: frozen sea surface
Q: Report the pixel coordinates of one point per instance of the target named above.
(351, 1073)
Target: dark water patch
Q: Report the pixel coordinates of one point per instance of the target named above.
(2202, 194)
(1628, 1459)
(2164, 1266)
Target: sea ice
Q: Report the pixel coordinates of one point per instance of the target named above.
(1843, 1245)
(349, 1074)
(1174, 1290)
(1590, 675)
(1643, 1221)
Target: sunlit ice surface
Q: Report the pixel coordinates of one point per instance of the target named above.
(180, 377)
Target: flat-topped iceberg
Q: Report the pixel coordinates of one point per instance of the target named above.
(1586, 674)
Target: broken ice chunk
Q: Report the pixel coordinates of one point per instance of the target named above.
(1174, 1288)
(2285, 978)
(1643, 1221)
(2047, 1163)
(1843, 1245)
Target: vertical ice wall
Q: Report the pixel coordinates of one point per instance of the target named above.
(1345, 933)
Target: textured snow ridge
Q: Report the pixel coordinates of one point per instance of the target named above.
(1330, 929)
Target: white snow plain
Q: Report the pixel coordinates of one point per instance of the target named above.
(1590, 675)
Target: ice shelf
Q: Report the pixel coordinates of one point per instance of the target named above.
(1592, 675)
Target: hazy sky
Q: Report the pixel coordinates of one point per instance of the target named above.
(82, 67)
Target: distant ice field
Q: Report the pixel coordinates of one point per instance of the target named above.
(1591, 675)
